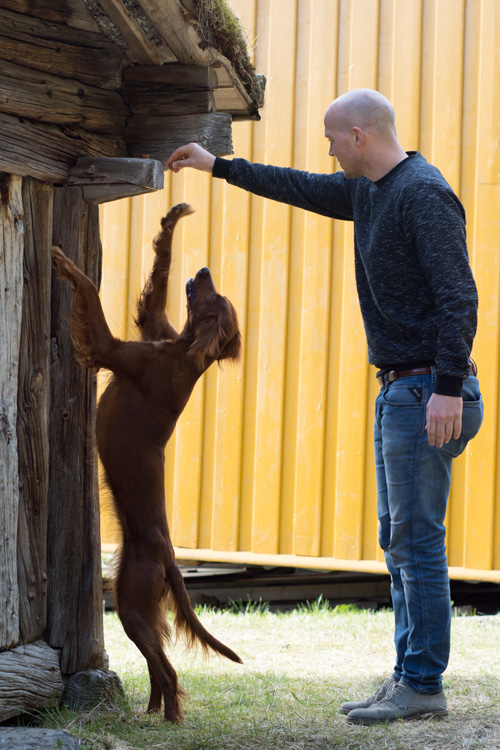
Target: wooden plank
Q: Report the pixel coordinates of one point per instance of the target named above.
(177, 30)
(97, 194)
(47, 152)
(72, 12)
(11, 294)
(56, 48)
(158, 137)
(230, 100)
(74, 607)
(178, 27)
(141, 172)
(33, 410)
(104, 180)
(143, 50)
(156, 101)
(30, 679)
(174, 74)
(48, 98)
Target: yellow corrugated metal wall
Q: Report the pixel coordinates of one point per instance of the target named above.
(272, 461)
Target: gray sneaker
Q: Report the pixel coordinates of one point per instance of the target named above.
(401, 702)
(380, 692)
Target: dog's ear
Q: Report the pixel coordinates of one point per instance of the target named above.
(232, 350)
(205, 344)
(216, 337)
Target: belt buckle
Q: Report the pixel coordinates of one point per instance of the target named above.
(387, 377)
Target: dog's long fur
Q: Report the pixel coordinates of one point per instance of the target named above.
(137, 413)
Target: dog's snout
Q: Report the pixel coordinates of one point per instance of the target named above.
(204, 271)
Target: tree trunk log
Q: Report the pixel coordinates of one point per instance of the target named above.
(30, 679)
(33, 410)
(11, 294)
(74, 609)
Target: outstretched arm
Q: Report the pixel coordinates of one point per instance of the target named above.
(191, 155)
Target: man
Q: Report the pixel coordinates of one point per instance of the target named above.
(419, 305)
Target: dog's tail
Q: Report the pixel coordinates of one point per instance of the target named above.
(186, 620)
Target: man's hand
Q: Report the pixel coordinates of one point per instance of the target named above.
(444, 419)
(191, 155)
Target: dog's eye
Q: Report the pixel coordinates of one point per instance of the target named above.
(211, 297)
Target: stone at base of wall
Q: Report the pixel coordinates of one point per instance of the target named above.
(20, 738)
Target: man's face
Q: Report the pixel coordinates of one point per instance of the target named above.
(343, 145)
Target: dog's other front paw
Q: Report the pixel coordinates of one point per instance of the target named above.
(64, 266)
(176, 212)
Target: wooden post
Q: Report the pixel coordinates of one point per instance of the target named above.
(11, 294)
(74, 611)
(33, 410)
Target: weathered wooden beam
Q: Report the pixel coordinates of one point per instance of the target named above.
(11, 295)
(105, 180)
(74, 598)
(48, 98)
(72, 12)
(30, 679)
(142, 49)
(179, 30)
(178, 26)
(169, 90)
(52, 47)
(157, 101)
(33, 402)
(173, 74)
(160, 136)
(47, 152)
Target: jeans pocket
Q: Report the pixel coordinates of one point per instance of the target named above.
(472, 418)
(403, 394)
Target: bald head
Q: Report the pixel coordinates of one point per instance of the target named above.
(366, 109)
(360, 126)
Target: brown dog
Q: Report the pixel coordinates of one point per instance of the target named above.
(137, 413)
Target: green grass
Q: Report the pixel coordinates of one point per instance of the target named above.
(298, 668)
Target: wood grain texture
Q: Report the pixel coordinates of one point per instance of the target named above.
(33, 410)
(158, 137)
(30, 679)
(71, 12)
(47, 152)
(44, 97)
(74, 607)
(11, 291)
(56, 48)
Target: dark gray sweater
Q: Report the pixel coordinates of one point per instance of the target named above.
(416, 290)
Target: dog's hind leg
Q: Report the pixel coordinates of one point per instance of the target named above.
(151, 315)
(163, 676)
(139, 596)
(154, 705)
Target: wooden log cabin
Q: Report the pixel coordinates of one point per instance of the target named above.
(94, 96)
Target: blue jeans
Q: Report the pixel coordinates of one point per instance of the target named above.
(413, 483)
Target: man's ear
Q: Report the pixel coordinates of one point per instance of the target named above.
(359, 136)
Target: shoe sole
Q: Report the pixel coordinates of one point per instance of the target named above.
(415, 717)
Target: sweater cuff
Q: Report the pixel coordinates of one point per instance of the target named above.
(448, 385)
(221, 168)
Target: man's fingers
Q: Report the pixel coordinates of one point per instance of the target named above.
(444, 419)
(191, 155)
(180, 155)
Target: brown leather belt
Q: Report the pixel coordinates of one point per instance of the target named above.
(391, 375)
